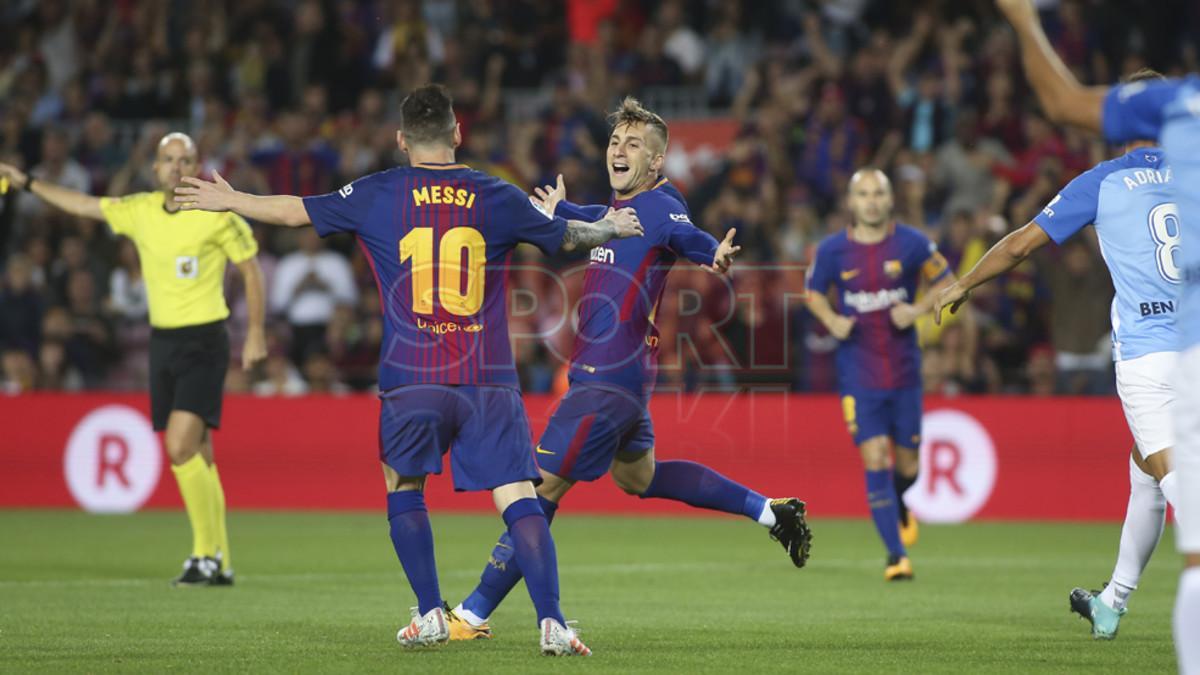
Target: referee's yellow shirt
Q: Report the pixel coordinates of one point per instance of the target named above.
(183, 256)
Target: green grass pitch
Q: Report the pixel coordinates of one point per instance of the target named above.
(321, 592)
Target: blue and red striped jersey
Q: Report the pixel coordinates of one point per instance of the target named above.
(869, 279)
(617, 341)
(439, 237)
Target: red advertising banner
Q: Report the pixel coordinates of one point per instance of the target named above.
(995, 457)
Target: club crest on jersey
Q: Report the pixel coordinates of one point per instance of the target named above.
(186, 267)
(603, 254)
(893, 268)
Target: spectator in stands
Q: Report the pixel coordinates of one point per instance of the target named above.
(1080, 329)
(297, 164)
(127, 288)
(21, 307)
(56, 166)
(309, 285)
(963, 167)
(55, 373)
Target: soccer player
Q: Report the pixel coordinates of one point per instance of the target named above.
(183, 258)
(437, 235)
(1170, 112)
(875, 266)
(1135, 188)
(602, 424)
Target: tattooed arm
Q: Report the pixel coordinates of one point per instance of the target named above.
(614, 225)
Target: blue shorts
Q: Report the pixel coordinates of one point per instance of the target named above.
(589, 427)
(485, 425)
(895, 413)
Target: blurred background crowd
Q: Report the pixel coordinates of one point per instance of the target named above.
(301, 96)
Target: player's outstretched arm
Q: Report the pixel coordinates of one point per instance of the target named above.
(1002, 257)
(904, 315)
(553, 200)
(219, 195)
(615, 225)
(74, 203)
(723, 259)
(1063, 99)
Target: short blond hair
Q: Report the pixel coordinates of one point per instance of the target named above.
(188, 144)
(631, 111)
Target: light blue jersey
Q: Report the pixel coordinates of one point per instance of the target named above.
(1169, 111)
(1130, 201)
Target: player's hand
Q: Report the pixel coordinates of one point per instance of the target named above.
(625, 222)
(840, 326)
(254, 349)
(16, 177)
(903, 315)
(548, 196)
(1018, 12)
(725, 252)
(199, 194)
(952, 295)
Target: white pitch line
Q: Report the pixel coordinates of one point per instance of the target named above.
(816, 564)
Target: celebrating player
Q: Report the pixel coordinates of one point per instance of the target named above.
(183, 258)
(1169, 111)
(437, 234)
(602, 424)
(875, 267)
(1134, 188)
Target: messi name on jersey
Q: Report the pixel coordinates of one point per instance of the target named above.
(443, 194)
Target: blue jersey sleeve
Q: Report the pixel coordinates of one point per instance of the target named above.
(573, 211)
(1134, 111)
(672, 225)
(526, 222)
(344, 210)
(1074, 208)
(821, 273)
(922, 254)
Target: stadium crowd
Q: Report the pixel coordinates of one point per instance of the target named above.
(300, 97)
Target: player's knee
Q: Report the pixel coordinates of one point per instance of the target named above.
(633, 479)
(1157, 464)
(180, 448)
(874, 454)
(907, 462)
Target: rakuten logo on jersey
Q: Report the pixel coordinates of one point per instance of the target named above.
(603, 254)
(958, 468)
(113, 460)
(874, 301)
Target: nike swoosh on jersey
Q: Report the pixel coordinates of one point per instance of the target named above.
(847, 275)
(543, 451)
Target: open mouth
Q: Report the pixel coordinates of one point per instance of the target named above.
(620, 168)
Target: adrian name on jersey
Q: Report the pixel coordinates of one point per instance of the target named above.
(1141, 177)
(874, 301)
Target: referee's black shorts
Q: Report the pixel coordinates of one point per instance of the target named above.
(187, 372)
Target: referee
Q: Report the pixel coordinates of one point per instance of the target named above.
(183, 256)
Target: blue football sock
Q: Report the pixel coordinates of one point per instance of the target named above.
(881, 497)
(697, 485)
(533, 549)
(502, 572)
(412, 537)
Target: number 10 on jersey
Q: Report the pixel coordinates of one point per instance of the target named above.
(461, 248)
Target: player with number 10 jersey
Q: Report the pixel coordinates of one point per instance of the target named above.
(437, 235)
